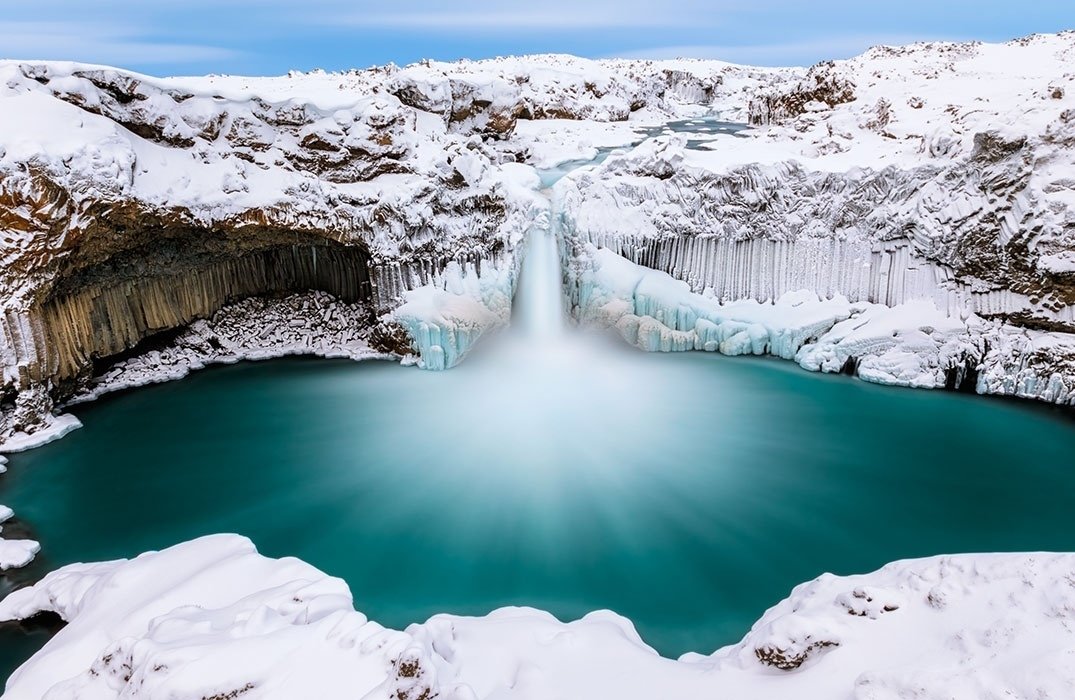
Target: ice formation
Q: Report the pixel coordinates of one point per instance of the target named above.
(446, 318)
(911, 344)
(212, 618)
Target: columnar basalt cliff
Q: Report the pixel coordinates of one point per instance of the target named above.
(939, 173)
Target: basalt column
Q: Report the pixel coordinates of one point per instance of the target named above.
(96, 315)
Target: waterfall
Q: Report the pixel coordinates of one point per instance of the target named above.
(538, 311)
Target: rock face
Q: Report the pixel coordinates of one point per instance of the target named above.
(132, 206)
(935, 172)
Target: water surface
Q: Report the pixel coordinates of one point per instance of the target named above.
(688, 492)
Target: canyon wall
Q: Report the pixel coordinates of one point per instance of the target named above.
(888, 179)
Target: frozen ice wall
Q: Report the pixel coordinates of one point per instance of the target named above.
(447, 317)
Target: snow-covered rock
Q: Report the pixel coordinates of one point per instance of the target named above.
(912, 344)
(932, 177)
(256, 328)
(18, 552)
(212, 618)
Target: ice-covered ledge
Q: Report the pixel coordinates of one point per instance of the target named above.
(445, 318)
(213, 618)
(912, 344)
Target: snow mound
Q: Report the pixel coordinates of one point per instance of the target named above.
(14, 553)
(211, 617)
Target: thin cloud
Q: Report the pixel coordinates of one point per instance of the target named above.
(783, 54)
(560, 15)
(98, 43)
(582, 18)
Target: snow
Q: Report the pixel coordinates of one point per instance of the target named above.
(53, 427)
(211, 617)
(551, 142)
(14, 553)
(17, 553)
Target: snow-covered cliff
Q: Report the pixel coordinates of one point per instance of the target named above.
(937, 173)
(212, 618)
(132, 205)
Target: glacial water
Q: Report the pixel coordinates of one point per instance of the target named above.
(688, 492)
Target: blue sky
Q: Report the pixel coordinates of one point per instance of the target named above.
(268, 37)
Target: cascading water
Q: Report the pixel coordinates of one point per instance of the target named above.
(538, 311)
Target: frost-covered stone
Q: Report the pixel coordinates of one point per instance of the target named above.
(913, 344)
(14, 553)
(257, 328)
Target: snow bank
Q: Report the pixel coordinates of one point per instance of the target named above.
(14, 553)
(51, 427)
(211, 617)
(207, 618)
(17, 553)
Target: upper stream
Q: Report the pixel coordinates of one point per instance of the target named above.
(687, 492)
